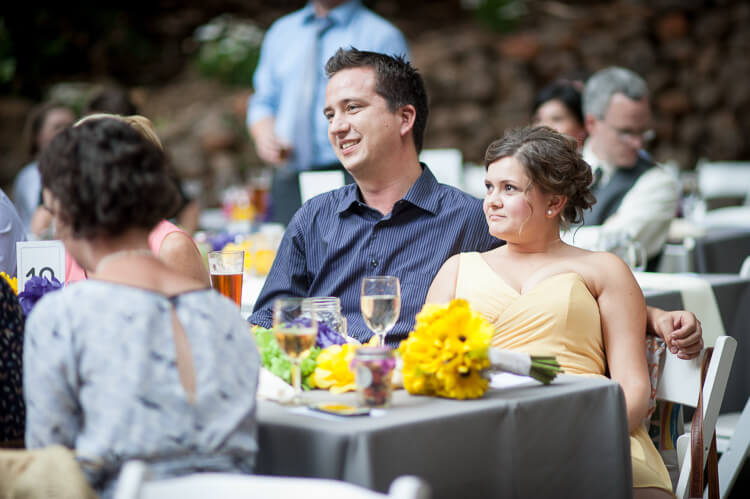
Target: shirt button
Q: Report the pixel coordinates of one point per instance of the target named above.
(373, 263)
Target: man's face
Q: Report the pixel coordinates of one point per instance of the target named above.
(361, 128)
(56, 121)
(624, 130)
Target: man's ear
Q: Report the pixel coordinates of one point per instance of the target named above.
(590, 123)
(408, 115)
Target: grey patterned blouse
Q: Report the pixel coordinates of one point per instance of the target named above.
(100, 376)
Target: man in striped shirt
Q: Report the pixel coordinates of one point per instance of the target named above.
(396, 219)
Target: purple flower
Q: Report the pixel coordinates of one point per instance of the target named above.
(35, 288)
(327, 336)
(218, 241)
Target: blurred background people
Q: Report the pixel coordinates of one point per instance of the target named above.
(173, 245)
(285, 115)
(559, 106)
(11, 231)
(138, 361)
(635, 197)
(44, 122)
(111, 99)
(114, 99)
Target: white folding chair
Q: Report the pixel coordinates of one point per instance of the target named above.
(134, 483)
(312, 183)
(733, 442)
(722, 182)
(679, 382)
(446, 164)
(745, 269)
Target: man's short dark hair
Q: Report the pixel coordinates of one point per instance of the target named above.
(396, 80)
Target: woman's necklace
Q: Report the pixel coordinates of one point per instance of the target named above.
(122, 254)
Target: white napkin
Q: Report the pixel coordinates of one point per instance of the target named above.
(271, 387)
(697, 297)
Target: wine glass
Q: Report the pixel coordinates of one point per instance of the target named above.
(624, 246)
(295, 329)
(380, 303)
(636, 256)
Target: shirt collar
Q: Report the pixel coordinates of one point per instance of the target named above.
(423, 193)
(591, 158)
(339, 15)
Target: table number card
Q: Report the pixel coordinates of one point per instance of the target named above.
(40, 258)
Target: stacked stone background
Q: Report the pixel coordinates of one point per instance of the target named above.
(694, 56)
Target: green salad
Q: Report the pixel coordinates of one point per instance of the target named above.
(275, 360)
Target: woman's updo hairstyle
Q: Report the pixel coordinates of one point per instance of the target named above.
(552, 163)
(107, 178)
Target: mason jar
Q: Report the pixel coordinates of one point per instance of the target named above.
(373, 371)
(327, 312)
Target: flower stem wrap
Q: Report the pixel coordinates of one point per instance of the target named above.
(541, 368)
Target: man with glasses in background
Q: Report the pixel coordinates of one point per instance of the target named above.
(635, 197)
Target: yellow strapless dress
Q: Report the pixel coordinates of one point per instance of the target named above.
(557, 317)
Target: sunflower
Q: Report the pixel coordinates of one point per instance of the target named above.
(332, 370)
(447, 352)
(13, 281)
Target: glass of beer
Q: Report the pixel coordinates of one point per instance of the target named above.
(296, 330)
(226, 268)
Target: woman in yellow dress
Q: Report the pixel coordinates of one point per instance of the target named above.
(546, 297)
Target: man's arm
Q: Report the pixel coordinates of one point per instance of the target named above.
(647, 210)
(287, 277)
(680, 330)
(268, 146)
(263, 105)
(645, 213)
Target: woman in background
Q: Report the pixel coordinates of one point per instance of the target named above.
(138, 361)
(560, 107)
(44, 122)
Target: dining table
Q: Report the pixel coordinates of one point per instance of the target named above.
(566, 439)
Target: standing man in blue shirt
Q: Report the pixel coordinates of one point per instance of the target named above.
(396, 219)
(284, 116)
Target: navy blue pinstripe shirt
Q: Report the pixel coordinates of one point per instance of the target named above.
(335, 240)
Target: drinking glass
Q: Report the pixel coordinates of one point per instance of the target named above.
(295, 329)
(226, 268)
(623, 245)
(380, 303)
(636, 256)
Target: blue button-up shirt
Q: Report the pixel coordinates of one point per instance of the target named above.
(277, 78)
(335, 240)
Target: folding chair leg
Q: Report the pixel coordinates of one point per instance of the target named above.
(733, 458)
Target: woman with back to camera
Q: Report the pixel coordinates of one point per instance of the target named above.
(173, 245)
(546, 297)
(138, 361)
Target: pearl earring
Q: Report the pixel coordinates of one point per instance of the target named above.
(549, 212)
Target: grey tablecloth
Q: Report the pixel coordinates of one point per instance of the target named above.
(733, 298)
(569, 439)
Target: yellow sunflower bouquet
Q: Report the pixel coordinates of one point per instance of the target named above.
(448, 354)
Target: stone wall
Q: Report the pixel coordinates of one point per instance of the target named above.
(693, 55)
